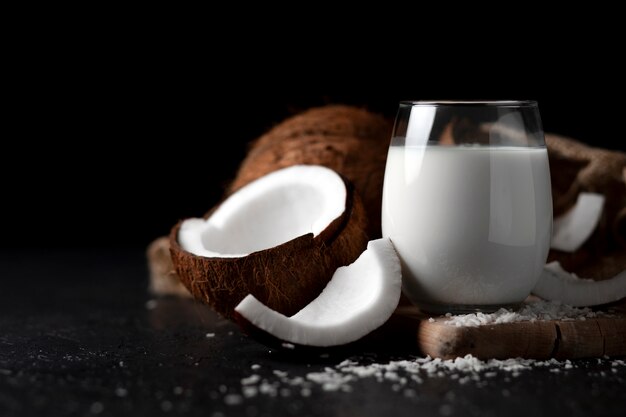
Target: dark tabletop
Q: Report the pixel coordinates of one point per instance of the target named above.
(80, 336)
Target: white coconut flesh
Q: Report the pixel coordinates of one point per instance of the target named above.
(556, 284)
(571, 230)
(272, 210)
(358, 299)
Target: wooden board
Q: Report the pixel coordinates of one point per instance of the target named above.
(538, 340)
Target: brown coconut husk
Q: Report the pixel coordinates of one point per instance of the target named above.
(349, 140)
(286, 277)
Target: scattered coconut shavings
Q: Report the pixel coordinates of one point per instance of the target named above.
(331, 380)
(280, 374)
(403, 376)
(534, 311)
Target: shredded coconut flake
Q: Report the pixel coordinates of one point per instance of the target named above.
(233, 399)
(249, 392)
(121, 392)
(402, 376)
(534, 311)
(252, 379)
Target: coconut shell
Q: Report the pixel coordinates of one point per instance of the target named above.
(286, 277)
(349, 140)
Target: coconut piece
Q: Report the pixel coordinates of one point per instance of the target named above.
(163, 278)
(358, 299)
(572, 229)
(279, 238)
(286, 204)
(556, 284)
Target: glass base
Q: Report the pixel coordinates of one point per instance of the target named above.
(441, 309)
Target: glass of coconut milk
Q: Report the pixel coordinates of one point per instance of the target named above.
(467, 202)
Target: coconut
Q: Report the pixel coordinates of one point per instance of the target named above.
(358, 299)
(279, 238)
(349, 140)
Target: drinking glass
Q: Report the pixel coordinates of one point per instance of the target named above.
(467, 202)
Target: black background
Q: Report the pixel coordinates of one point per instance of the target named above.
(118, 123)
(108, 144)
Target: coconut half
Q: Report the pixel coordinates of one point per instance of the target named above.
(279, 238)
(358, 299)
(556, 284)
(572, 229)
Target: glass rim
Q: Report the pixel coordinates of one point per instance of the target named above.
(471, 103)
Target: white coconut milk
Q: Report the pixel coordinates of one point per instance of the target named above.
(471, 224)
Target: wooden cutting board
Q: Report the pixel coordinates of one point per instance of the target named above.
(558, 339)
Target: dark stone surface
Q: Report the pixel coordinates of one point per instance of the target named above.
(77, 338)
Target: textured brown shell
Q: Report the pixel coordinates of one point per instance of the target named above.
(286, 277)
